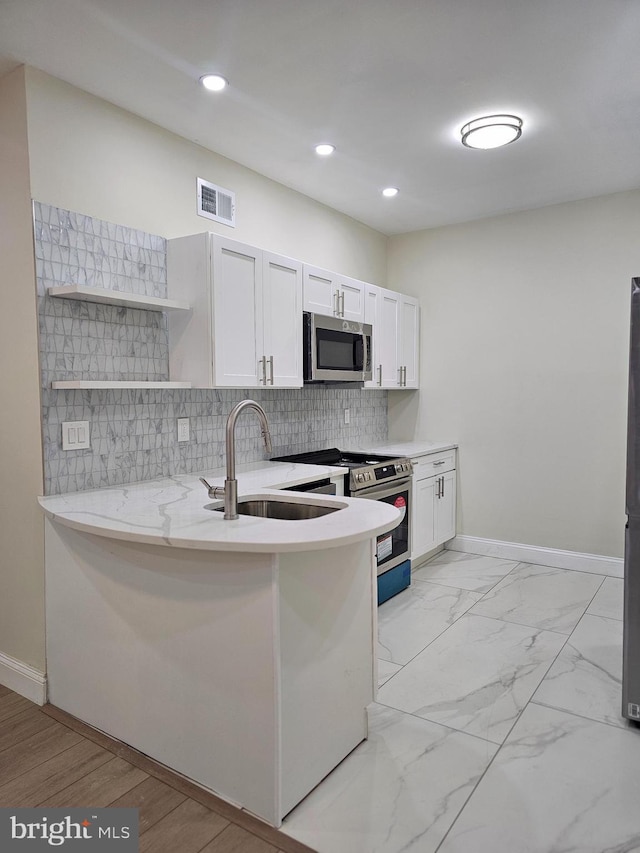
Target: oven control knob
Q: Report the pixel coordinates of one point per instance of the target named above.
(359, 478)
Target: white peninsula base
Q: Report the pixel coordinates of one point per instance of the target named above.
(249, 673)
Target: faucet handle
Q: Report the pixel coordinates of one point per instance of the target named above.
(214, 491)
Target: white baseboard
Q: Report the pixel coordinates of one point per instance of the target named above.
(593, 563)
(23, 679)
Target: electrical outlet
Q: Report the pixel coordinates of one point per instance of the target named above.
(75, 435)
(183, 429)
(347, 416)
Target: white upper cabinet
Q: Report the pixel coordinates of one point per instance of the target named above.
(333, 295)
(388, 338)
(282, 320)
(319, 288)
(372, 301)
(245, 329)
(396, 333)
(352, 295)
(238, 336)
(409, 341)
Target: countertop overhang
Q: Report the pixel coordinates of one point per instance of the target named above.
(172, 512)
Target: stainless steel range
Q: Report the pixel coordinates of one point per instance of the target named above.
(380, 478)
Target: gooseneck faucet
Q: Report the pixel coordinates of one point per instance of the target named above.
(230, 490)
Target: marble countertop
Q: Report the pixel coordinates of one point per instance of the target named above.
(172, 511)
(405, 448)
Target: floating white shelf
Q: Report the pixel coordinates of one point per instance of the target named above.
(116, 297)
(82, 384)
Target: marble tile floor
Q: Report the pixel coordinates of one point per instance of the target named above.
(497, 726)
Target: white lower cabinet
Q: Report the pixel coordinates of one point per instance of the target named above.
(434, 502)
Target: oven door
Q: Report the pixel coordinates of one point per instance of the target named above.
(394, 547)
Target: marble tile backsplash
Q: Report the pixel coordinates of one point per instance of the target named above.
(134, 432)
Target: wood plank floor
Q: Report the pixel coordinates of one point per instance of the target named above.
(48, 758)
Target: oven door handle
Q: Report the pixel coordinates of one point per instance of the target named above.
(376, 492)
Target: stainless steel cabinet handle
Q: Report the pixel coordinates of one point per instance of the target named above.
(400, 379)
(438, 487)
(263, 362)
(342, 300)
(379, 374)
(270, 369)
(404, 375)
(442, 494)
(440, 462)
(336, 303)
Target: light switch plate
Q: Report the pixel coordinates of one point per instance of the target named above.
(183, 429)
(75, 435)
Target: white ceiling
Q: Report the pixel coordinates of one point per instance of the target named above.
(389, 82)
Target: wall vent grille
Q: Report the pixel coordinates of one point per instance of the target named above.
(216, 203)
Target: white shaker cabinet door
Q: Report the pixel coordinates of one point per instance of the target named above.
(423, 520)
(388, 339)
(372, 302)
(446, 508)
(282, 315)
(351, 299)
(237, 302)
(409, 341)
(320, 291)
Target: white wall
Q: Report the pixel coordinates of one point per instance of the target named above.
(524, 363)
(94, 158)
(21, 522)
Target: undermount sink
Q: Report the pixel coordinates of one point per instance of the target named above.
(282, 510)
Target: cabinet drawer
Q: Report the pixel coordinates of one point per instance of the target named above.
(435, 463)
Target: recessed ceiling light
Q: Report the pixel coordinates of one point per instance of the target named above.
(213, 82)
(325, 149)
(491, 131)
(389, 192)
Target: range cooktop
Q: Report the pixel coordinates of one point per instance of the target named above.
(366, 469)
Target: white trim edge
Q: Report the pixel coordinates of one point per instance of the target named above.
(23, 679)
(573, 560)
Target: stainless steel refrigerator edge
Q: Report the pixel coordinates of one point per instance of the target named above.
(631, 642)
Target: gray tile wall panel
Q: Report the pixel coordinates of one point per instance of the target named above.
(134, 432)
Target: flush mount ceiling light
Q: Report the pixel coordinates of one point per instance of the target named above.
(213, 82)
(389, 192)
(324, 149)
(491, 131)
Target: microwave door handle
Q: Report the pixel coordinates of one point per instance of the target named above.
(359, 353)
(365, 353)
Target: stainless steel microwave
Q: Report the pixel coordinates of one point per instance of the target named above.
(336, 350)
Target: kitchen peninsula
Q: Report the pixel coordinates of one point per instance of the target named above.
(239, 653)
